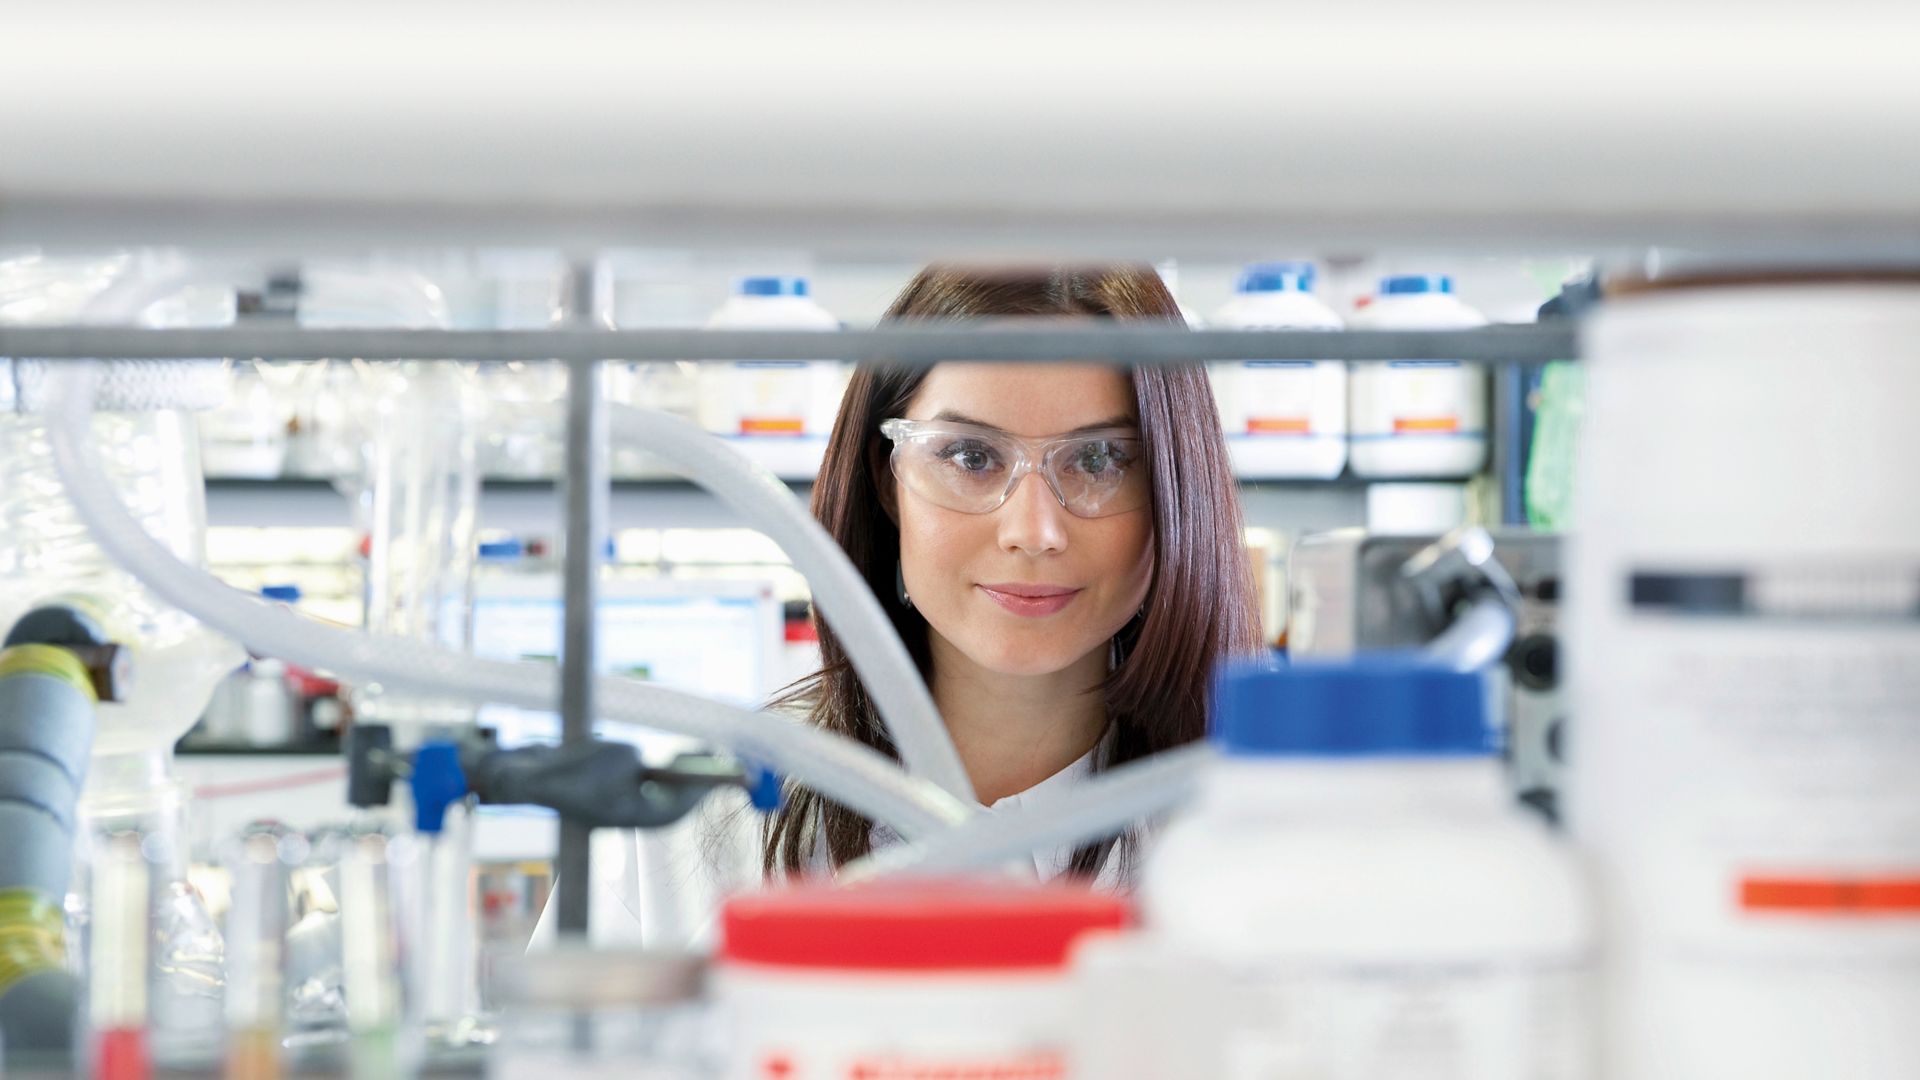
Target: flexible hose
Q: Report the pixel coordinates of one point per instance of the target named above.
(852, 774)
(1100, 808)
(1475, 639)
(843, 596)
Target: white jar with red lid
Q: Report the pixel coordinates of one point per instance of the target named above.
(956, 980)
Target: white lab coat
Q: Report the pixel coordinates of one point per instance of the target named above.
(661, 888)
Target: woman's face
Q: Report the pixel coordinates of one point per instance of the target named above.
(966, 573)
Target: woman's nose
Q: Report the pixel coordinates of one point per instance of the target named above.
(1032, 520)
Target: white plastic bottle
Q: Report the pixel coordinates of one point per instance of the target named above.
(1418, 418)
(1743, 637)
(926, 979)
(779, 412)
(1360, 892)
(1284, 419)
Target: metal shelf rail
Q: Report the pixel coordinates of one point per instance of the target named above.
(986, 340)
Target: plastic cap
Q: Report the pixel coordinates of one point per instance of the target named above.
(1383, 705)
(438, 782)
(764, 789)
(925, 925)
(1415, 283)
(771, 285)
(287, 594)
(1269, 277)
(501, 549)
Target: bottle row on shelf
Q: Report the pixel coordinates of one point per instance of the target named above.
(1283, 419)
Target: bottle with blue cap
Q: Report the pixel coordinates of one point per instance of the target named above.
(1355, 894)
(1418, 418)
(1284, 419)
(778, 412)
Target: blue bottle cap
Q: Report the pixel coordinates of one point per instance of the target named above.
(1374, 705)
(1269, 277)
(771, 285)
(286, 594)
(1402, 284)
(499, 550)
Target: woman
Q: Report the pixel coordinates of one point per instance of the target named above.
(1058, 545)
(1066, 613)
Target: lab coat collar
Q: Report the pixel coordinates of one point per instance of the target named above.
(1048, 863)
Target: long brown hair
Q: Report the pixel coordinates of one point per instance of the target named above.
(1200, 606)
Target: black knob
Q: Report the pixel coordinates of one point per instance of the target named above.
(1535, 660)
(370, 764)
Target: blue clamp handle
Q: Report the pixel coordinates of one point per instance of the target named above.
(438, 782)
(764, 788)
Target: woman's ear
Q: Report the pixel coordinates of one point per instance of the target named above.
(880, 467)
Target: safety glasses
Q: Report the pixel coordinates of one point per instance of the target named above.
(974, 469)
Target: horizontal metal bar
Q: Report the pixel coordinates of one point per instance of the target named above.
(1002, 340)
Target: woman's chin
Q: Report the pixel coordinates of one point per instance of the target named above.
(1015, 657)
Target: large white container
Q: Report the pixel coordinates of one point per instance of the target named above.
(1418, 418)
(1355, 894)
(904, 979)
(1743, 635)
(779, 412)
(1284, 419)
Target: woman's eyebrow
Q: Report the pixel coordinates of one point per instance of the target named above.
(962, 418)
(1120, 421)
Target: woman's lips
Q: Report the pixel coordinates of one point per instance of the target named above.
(1030, 600)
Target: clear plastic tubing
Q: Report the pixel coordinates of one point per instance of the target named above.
(861, 778)
(842, 595)
(1102, 807)
(120, 907)
(256, 937)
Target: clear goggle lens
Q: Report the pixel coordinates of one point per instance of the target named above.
(975, 470)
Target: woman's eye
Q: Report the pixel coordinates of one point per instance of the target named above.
(1097, 458)
(969, 456)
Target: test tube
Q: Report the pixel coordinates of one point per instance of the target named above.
(256, 951)
(120, 922)
(370, 956)
(449, 976)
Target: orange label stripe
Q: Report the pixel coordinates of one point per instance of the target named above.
(1279, 425)
(773, 426)
(1832, 896)
(1425, 423)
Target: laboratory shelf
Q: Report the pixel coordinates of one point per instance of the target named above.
(514, 505)
(533, 506)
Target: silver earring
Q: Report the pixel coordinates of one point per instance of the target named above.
(900, 586)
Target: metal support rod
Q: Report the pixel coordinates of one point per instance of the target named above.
(1507, 404)
(585, 487)
(1014, 340)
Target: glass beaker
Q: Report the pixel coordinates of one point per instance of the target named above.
(417, 489)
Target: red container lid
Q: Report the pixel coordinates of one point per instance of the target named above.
(956, 925)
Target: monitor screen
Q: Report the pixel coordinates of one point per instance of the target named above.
(719, 639)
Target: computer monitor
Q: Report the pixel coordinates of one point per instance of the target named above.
(718, 638)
